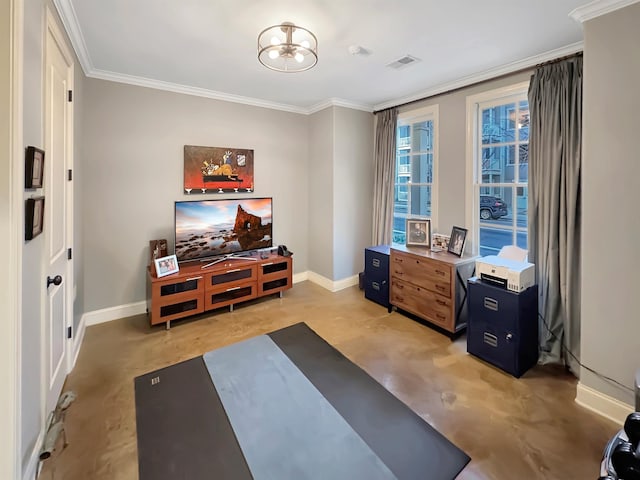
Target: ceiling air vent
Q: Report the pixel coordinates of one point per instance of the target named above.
(403, 62)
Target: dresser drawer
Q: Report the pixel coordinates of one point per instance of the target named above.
(424, 303)
(433, 276)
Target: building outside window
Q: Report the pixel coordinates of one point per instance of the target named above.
(416, 164)
(500, 156)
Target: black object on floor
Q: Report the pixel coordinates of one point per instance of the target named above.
(183, 430)
(184, 433)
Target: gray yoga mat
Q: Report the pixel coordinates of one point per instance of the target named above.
(273, 408)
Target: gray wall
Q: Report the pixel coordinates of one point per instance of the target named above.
(132, 170)
(32, 273)
(320, 184)
(31, 415)
(353, 189)
(610, 230)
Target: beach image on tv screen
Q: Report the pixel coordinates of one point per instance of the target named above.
(217, 227)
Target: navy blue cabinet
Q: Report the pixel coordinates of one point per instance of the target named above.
(376, 274)
(503, 326)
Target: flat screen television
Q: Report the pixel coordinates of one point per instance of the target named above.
(209, 228)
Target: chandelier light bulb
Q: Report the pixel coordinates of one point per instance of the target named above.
(287, 48)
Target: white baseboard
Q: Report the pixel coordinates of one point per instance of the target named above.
(32, 469)
(300, 277)
(332, 285)
(114, 313)
(602, 404)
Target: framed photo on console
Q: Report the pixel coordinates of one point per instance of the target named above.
(457, 241)
(418, 232)
(166, 265)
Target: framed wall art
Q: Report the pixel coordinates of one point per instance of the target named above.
(33, 168)
(217, 170)
(166, 265)
(418, 232)
(34, 217)
(457, 241)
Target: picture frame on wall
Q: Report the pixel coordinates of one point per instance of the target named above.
(418, 232)
(457, 241)
(33, 167)
(166, 265)
(34, 217)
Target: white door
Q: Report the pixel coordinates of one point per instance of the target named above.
(58, 281)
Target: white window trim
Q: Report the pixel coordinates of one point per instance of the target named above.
(496, 97)
(431, 112)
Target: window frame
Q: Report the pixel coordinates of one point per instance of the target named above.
(410, 117)
(494, 97)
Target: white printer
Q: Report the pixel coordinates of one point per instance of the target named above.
(513, 275)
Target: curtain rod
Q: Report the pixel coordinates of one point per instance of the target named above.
(515, 72)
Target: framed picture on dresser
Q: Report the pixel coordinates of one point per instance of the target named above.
(457, 240)
(418, 232)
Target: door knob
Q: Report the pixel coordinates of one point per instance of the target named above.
(57, 280)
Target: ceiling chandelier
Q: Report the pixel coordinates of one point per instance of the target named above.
(287, 48)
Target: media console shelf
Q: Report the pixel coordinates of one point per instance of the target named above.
(195, 289)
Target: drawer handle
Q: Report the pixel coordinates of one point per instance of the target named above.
(440, 272)
(193, 278)
(375, 262)
(490, 339)
(375, 285)
(233, 288)
(441, 302)
(491, 304)
(399, 298)
(267, 264)
(441, 288)
(441, 316)
(399, 287)
(233, 271)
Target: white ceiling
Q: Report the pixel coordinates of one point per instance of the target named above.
(209, 47)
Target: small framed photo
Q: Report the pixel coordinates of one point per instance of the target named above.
(457, 241)
(439, 242)
(418, 232)
(34, 217)
(166, 265)
(33, 168)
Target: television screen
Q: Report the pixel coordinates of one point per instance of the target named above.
(207, 228)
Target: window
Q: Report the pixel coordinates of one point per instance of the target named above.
(499, 157)
(416, 161)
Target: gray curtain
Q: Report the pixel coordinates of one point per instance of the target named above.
(384, 176)
(555, 157)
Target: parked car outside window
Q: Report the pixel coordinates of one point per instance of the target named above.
(492, 207)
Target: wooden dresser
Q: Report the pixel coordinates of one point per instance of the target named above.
(431, 285)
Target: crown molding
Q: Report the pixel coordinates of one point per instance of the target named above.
(72, 26)
(598, 8)
(196, 91)
(338, 102)
(506, 69)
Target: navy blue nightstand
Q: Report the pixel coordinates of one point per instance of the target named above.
(503, 326)
(376, 274)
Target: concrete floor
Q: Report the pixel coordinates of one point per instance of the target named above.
(527, 428)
